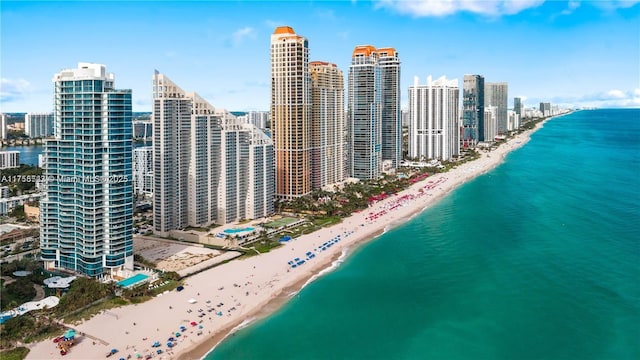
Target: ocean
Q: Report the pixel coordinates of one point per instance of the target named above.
(537, 259)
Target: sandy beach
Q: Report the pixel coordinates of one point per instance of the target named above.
(215, 302)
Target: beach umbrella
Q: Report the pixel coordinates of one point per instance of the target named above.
(138, 355)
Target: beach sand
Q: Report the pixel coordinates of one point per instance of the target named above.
(243, 290)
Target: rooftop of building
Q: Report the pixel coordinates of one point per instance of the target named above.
(284, 30)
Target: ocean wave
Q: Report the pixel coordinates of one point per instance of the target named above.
(334, 265)
(237, 328)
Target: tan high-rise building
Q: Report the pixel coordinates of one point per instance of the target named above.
(291, 112)
(327, 124)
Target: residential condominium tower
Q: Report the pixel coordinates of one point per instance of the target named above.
(291, 112)
(490, 123)
(86, 220)
(37, 125)
(472, 110)
(246, 184)
(364, 111)
(496, 94)
(143, 170)
(205, 160)
(327, 124)
(391, 120)
(433, 119)
(518, 106)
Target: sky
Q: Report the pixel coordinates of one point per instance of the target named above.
(570, 53)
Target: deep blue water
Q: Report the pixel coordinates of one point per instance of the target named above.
(538, 259)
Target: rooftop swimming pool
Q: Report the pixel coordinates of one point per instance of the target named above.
(234, 231)
(132, 280)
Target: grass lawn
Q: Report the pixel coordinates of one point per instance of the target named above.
(18, 353)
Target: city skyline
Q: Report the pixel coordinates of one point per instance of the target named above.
(565, 52)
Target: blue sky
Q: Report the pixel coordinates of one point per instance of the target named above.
(573, 53)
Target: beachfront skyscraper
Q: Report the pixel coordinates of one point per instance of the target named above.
(496, 94)
(364, 111)
(37, 125)
(86, 220)
(518, 106)
(490, 123)
(205, 159)
(327, 124)
(433, 119)
(472, 110)
(246, 183)
(545, 108)
(171, 116)
(291, 112)
(391, 120)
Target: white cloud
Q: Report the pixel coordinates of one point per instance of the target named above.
(607, 99)
(616, 94)
(11, 89)
(239, 35)
(571, 7)
(448, 7)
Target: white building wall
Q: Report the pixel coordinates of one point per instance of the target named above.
(3, 126)
(490, 123)
(37, 125)
(434, 119)
(9, 159)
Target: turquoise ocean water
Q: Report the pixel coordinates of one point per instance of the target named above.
(538, 259)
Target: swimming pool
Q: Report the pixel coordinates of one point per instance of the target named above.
(233, 231)
(132, 280)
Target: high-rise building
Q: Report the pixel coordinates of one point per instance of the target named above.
(3, 126)
(261, 174)
(391, 120)
(405, 118)
(9, 159)
(472, 110)
(518, 106)
(496, 94)
(490, 123)
(364, 108)
(143, 170)
(142, 129)
(86, 220)
(246, 184)
(258, 118)
(433, 119)
(205, 160)
(291, 112)
(37, 125)
(327, 124)
(513, 122)
(171, 116)
(545, 109)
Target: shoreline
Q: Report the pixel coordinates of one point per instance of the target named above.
(254, 288)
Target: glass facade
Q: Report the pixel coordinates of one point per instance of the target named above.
(87, 214)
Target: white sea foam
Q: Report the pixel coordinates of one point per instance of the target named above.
(334, 265)
(240, 326)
